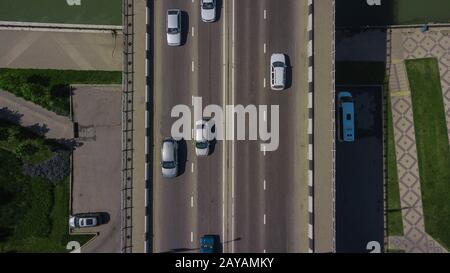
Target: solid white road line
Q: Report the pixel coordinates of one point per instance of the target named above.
(264, 184)
(264, 150)
(192, 201)
(264, 218)
(265, 14)
(224, 92)
(264, 84)
(192, 236)
(193, 31)
(264, 48)
(192, 66)
(233, 142)
(192, 167)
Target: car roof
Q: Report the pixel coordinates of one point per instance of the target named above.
(172, 18)
(279, 75)
(348, 125)
(277, 57)
(168, 148)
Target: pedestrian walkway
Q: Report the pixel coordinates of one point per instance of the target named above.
(433, 43)
(415, 238)
(36, 118)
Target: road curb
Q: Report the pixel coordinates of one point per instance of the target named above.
(310, 29)
(148, 237)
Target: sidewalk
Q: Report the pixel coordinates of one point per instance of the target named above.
(28, 114)
(415, 239)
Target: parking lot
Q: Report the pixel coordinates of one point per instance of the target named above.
(97, 162)
(359, 174)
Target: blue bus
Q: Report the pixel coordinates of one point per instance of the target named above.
(346, 117)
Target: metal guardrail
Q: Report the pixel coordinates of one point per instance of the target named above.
(127, 126)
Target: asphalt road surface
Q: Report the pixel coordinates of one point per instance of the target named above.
(359, 175)
(255, 201)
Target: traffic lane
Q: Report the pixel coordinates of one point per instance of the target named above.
(249, 204)
(173, 215)
(210, 89)
(359, 175)
(282, 214)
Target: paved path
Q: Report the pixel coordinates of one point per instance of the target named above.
(35, 117)
(97, 162)
(415, 238)
(434, 43)
(58, 50)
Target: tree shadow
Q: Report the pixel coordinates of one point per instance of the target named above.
(5, 233)
(60, 91)
(39, 80)
(38, 129)
(69, 143)
(10, 115)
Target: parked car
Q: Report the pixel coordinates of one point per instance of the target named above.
(210, 244)
(346, 117)
(174, 27)
(169, 157)
(208, 10)
(204, 134)
(278, 69)
(84, 220)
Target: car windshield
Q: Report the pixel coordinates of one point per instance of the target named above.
(278, 64)
(89, 222)
(347, 99)
(349, 117)
(172, 30)
(201, 145)
(208, 5)
(168, 164)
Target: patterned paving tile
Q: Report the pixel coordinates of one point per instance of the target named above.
(415, 45)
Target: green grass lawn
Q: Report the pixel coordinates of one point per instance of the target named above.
(102, 12)
(50, 88)
(33, 211)
(432, 146)
(394, 213)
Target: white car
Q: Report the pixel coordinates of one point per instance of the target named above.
(169, 158)
(173, 27)
(278, 69)
(83, 221)
(208, 10)
(203, 134)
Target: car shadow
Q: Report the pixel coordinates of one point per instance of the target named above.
(184, 27)
(104, 218)
(289, 73)
(219, 5)
(182, 156)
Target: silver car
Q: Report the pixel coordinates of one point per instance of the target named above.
(174, 27)
(83, 221)
(278, 71)
(203, 136)
(208, 10)
(169, 158)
